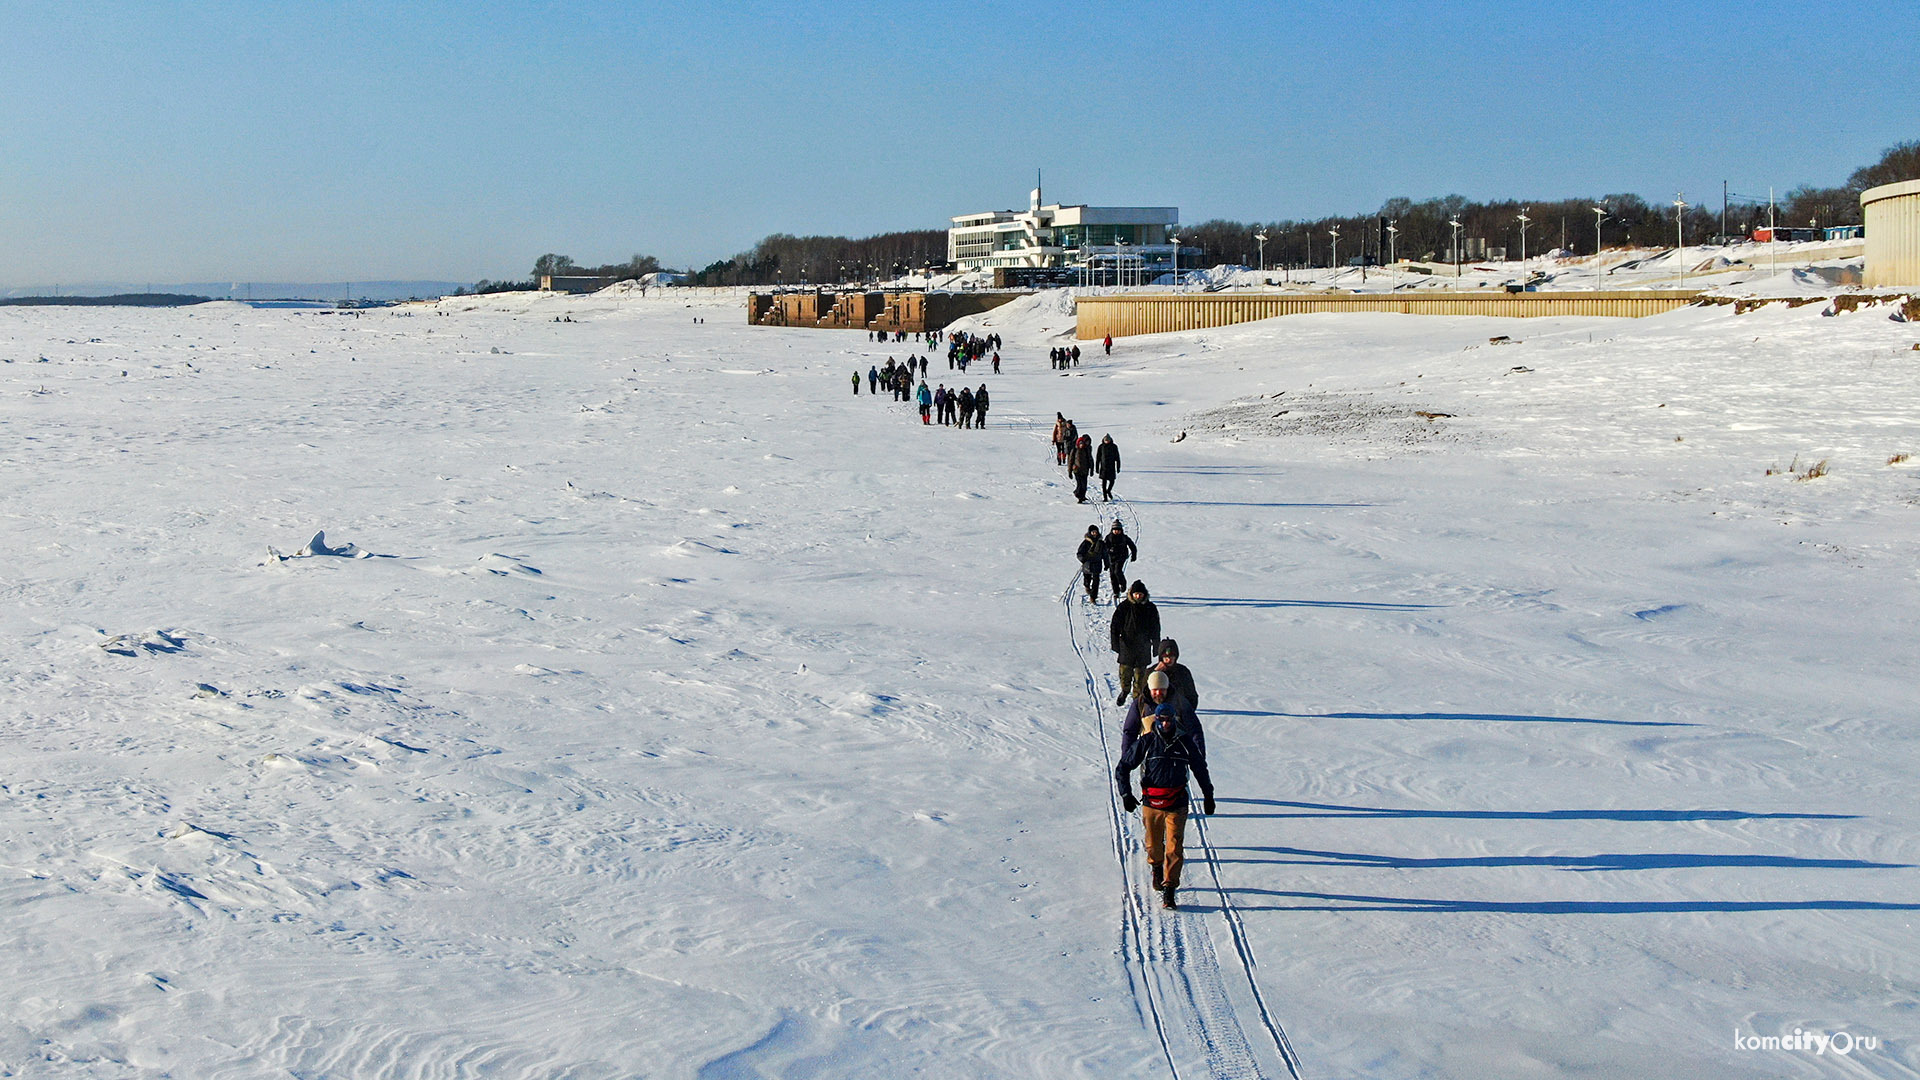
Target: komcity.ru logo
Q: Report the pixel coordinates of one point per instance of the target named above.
(1840, 1042)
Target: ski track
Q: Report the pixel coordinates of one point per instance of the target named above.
(1173, 955)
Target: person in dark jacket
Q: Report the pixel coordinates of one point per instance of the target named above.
(1092, 552)
(1176, 672)
(1134, 635)
(1080, 464)
(873, 380)
(856, 384)
(1120, 550)
(1106, 462)
(980, 406)
(1165, 756)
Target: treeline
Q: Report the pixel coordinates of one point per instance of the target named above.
(1423, 230)
(1402, 227)
(116, 300)
(794, 260)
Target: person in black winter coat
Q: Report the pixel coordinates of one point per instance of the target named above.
(1080, 464)
(1165, 756)
(1106, 462)
(1120, 550)
(1092, 552)
(1134, 635)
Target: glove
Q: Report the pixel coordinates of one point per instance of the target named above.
(1129, 803)
(1208, 805)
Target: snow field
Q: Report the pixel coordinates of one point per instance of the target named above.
(691, 718)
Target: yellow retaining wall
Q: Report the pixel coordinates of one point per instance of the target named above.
(1123, 316)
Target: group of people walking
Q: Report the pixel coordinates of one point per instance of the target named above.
(1063, 357)
(960, 407)
(964, 349)
(1077, 454)
(1160, 734)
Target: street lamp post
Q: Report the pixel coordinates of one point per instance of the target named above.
(1523, 244)
(1333, 255)
(1393, 252)
(1261, 238)
(1599, 215)
(1176, 262)
(1455, 223)
(1120, 260)
(1680, 233)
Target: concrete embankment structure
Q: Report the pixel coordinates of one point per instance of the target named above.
(909, 310)
(1892, 213)
(1124, 316)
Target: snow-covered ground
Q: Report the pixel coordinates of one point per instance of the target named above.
(686, 715)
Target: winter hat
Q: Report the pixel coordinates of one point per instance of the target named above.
(1140, 587)
(1170, 646)
(1159, 681)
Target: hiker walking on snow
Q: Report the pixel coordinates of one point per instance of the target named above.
(873, 381)
(1120, 549)
(926, 403)
(1165, 755)
(856, 384)
(1134, 636)
(1106, 462)
(1108, 343)
(1090, 554)
(1080, 463)
(980, 406)
(1059, 439)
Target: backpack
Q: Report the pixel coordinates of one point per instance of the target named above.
(1165, 797)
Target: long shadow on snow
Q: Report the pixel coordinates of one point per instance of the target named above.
(1348, 902)
(1498, 718)
(1648, 861)
(1236, 601)
(1337, 810)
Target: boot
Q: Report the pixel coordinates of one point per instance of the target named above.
(1121, 699)
(1159, 883)
(1166, 899)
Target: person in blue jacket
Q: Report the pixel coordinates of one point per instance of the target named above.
(1166, 755)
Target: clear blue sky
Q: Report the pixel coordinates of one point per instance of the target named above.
(147, 141)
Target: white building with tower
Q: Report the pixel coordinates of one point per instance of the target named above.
(1135, 238)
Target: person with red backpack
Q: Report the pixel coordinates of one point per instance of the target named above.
(1165, 754)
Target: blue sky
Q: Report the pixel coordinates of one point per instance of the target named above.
(330, 141)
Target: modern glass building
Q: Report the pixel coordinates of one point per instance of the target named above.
(1056, 235)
